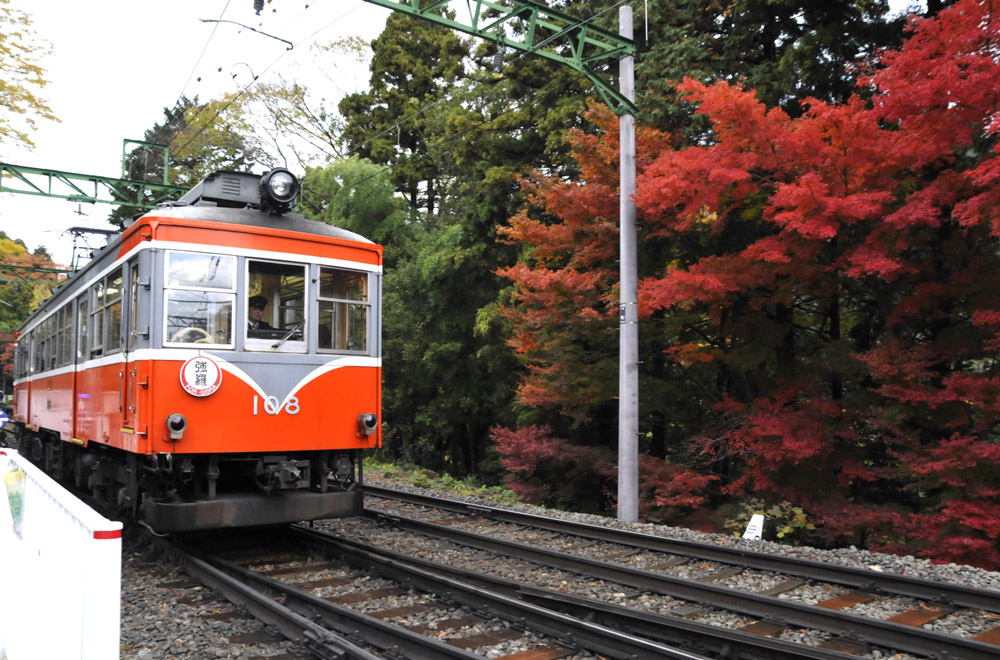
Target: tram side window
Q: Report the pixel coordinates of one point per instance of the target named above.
(199, 294)
(38, 349)
(33, 359)
(97, 318)
(65, 334)
(47, 334)
(48, 351)
(29, 352)
(50, 333)
(343, 310)
(106, 314)
(280, 288)
(21, 356)
(81, 328)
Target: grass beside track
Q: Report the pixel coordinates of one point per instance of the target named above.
(419, 477)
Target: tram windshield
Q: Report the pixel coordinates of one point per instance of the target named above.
(199, 293)
(275, 306)
(286, 307)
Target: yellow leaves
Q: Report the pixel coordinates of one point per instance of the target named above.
(20, 77)
(794, 518)
(352, 45)
(10, 248)
(705, 217)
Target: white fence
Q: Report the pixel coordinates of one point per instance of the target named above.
(60, 570)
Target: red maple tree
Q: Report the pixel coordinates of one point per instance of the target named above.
(830, 283)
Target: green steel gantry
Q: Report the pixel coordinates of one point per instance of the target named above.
(84, 188)
(31, 274)
(530, 26)
(88, 188)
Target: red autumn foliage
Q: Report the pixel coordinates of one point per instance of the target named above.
(566, 291)
(829, 285)
(545, 469)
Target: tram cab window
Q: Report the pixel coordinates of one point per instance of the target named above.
(275, 306)
(113, 312)
(199, 295)
(343, 310)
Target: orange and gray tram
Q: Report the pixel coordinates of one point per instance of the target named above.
(217, 364)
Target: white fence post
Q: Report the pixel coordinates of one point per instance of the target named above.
(60, 573)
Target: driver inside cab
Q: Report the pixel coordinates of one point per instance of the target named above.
(255, 313)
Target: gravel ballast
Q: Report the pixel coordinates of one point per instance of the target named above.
(164, 617)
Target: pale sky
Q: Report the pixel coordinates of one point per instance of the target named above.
(117, 63)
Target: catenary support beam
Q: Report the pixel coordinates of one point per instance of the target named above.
(87, 188)
(531, 27)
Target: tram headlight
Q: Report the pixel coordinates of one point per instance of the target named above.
(367, 423)
(278, 190)
(176, 423)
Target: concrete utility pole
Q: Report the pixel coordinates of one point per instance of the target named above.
(628, 358)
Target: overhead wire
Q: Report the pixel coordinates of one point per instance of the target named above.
(256, 78)
(449, 138)
(203, 51)
(208, 42)
(155, 136)
(397, 125)
(195, 67)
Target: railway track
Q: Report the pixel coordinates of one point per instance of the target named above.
(421, 577)
(672, 581)
(349, 603)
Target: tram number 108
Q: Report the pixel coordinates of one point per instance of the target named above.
(272, 406)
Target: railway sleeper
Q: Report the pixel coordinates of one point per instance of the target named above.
(467, 627)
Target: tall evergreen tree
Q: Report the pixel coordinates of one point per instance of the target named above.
(476, 134)
(414, 63)
(786, 50)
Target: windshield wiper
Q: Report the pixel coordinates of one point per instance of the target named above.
(290, 333)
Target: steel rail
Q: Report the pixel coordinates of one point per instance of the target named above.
(880, 633)
(873, 581)
(700, 637)
(343, 620)
(293, 625)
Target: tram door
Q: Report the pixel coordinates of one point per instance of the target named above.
(133, 331)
